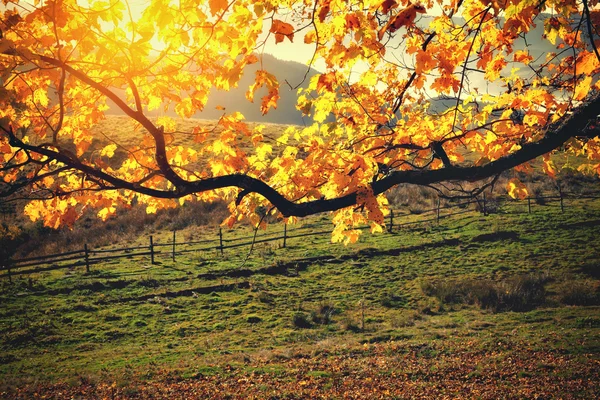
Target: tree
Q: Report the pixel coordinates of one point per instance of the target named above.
(375, 121)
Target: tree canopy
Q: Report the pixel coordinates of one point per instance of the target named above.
(520, 79)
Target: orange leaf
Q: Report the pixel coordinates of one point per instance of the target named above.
(582, 88)
(516, 189)
(587, 63)
(549, 167)
(310, 37)
(281, 29)
(217, 6)
(405, 17)
(325, 7)
(352, 21)
(424, 62)
(270, 100)
(326, 81)
(522, 56)
(387, 5)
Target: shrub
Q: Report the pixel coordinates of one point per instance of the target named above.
(349, 324)
(300, 320)
(323, 314)
(253, 319)
(265, 297)
(391, 300)
(520, 293)
(580, 294)
(523, 293)
(405, 319)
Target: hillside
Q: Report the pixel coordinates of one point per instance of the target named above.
(500, 306)
(235, 99)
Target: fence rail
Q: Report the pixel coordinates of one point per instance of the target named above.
(87, 257)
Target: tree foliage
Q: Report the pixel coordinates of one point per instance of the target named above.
(375, 124)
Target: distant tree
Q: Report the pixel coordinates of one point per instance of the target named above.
(61, 61)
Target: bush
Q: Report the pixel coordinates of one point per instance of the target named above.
(523, 293)
(520, 293)
(349, 324)
(391, 300)
(323, 314)
(580, 294)
(253, 319)
(300, 320)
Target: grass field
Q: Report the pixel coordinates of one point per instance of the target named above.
(505, 305)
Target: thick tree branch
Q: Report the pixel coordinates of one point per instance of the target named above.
(554, 137)
(156, 132)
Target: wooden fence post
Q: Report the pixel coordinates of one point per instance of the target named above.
(151, 250)
(528, 205)
(484, 205)
(87, 258)
(438, 211)
(284, 234)
(562, 206)
(221, 240)
(391, 228)
(174, 244)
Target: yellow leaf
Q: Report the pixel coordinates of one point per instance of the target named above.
(40, 96)
(516, 189)
(369, 78)
(263, 150)
(185, 108)
(582, 88)
(549, 167)
(222, 148)
(32, 210)
(154, 102)
(109, 150)
(106, 212)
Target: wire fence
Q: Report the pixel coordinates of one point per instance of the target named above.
(396, 219)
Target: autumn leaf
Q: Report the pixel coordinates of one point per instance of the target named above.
(326, 82)
(109, 150)
(387, 5)
(216, 6)
(107, 212)
(549, 167)
(582, 88)
(424, 62)
(269, 100)
(587, 62)
(523, 57)
(324, 9)
(516, 189)
(282, 29)
(352, 21)
(405, 17)
(310, 37)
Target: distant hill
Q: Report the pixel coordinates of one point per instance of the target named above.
(294, 73)
(235, 99)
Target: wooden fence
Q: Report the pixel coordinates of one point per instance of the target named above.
(395, 220)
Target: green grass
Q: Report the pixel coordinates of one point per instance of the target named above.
(193, 316)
